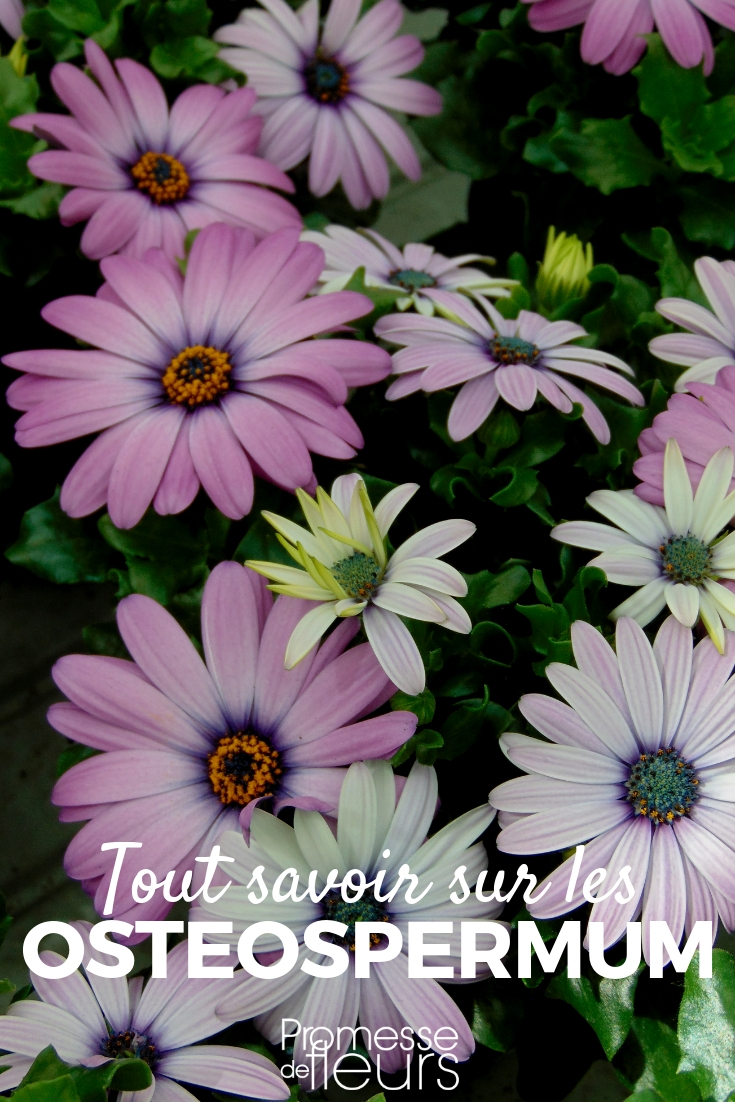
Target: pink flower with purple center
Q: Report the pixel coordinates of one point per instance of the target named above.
(91, 1019)
(614, 32)
(701, 421)
(191, 747)
(323, 90)
(197, 380)
(142, 175)
(512, 359)
(639, 768)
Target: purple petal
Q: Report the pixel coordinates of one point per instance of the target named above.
(231, 638)
(140, 465)
(220, 462)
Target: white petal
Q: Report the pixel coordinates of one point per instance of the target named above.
(711, 620)
(683, 600)
(645, 522)
(629, 565)
(428, 572)
(645, 604)
(592, 534)
(678, 495)
(435, 540)
(703, 372)
(407, 601)
(641, 682)
(712, 489)
(308, 632)
(457, 618)
(390, 506)
(357, 818)
(395, 649)
(721, 595)
(317, 843)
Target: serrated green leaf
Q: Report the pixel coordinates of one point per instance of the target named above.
(661, 1054)
(58, 547)
(53, 1090)
(606, 154)
(707, 1026)
(609, 1010)
(665, 89)
(423, 705)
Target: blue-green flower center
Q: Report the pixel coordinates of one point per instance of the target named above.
(685, 559)
(662, 785)
(411, 280)
(358, 575)
(128, 1045)
(326, 80)
(514, 350)
(367, 909)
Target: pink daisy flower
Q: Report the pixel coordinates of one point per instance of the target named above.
(144, 176)
(614, 29)
(91, 1019)
(191, 747)
(11, 17)
(639, 767)
(510, 359)
(701, 421)
(322, 90)
(202, 379)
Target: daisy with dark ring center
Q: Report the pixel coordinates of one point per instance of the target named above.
(243, 767)
(163, 177)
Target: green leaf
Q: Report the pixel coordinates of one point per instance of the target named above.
(495, 1017)
(192, 58)
(708, 213)
(6, 473)
(53, 1090)
(423, 705)
(62, 43)
(661, 1054)
(18, 95)
(609, 1010)
(520, 488)
(163, 555)
(77, 15)
(464, 725)
(664, 88)
(457, 136)
(72, 755)
(48, 1065)
(59, 548)
(5, 919)
(606, 154)
(488, 590)
(707, 1026)
(675, 275)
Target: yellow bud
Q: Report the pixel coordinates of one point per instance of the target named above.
(18, 57)
(562, 274)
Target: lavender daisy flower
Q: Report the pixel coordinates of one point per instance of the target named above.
(640, 767)
(710, 343)
(89, 1020)
(11, 17)
(415, 270)
(203, 379)
(614, 34)
(190, 747)
(322, 90)
(375, 830)
(674, 556)
(144, 176)
(510, 359)
(343, 564)
(701, 421)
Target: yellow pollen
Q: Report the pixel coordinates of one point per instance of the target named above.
(162, 176)
(197, 375)
(242, 768)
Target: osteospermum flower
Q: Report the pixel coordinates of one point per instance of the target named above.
(322, 90)
(144, 176)
(90, 1019)
(415, 270)
(202, 379)
(563, 272)
(343, 564)
(701, 421)
(375, 831)
(190, 747)
(614, 34)
(640, 768)
(710, 343)
(510, 359)
(674, 555)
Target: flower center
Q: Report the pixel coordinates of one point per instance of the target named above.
(197, 375)
(662, 785)
(367, 909)
(685, 559)
(162, 176)
(242, 768)
(411, 280)
(326, 80)
(127, 1044)
(514, 350)
(358, 575)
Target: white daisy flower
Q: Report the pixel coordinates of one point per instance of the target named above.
(343, 564)
(674, 555)
(416, 269)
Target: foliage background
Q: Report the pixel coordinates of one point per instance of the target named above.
(643, 166)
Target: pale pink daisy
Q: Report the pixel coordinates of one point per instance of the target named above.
(91, 1019)
(323, 89)
(513, 359)
(201, 379)
(376, 829)
(701, 421)
(143, 175)
(639, 767)
(190, 747)
(416, 270)
(614, 32)
(710, 343)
